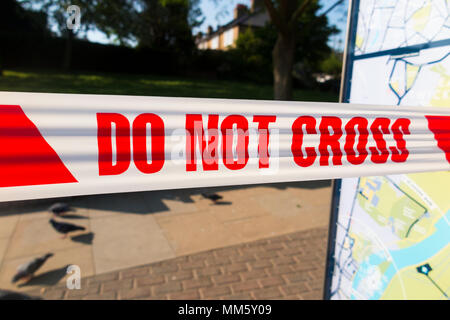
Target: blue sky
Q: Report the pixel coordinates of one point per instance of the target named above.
(220, 12)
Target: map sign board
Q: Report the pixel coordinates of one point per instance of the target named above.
(390, 236)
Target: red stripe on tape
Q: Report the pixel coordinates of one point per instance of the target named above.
(440, 126)
(25, 157)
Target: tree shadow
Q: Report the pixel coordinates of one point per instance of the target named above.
(48, 278)
(29, 206)
(222, 203)
(146, 202)
(86, 238)
(72, 216)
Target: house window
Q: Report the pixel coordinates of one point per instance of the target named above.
(215, 43)
(228, 37)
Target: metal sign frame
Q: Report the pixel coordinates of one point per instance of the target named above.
(347, 70)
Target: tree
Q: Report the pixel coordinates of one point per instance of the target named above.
(16, 21)
(158, 24)
(291, 17)
(167, 24)
(256, 46)
(56, 12)
(300, 36)
(285, 15)
(253, 52)
(94, 13)
(333, 64)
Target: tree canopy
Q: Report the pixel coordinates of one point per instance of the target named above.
(167, 24)
(15, 19)
(145, 23)
(311, 34)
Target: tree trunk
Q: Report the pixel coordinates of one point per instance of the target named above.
(1, 63)
(68, 51)
(283, 63)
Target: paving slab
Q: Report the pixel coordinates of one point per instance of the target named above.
(35, 235)
(128, 240)
(3, 245)
(194, 233)
(7, 225)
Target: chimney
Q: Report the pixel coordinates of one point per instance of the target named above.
(256, 5)
(210, 30)
(240, 11)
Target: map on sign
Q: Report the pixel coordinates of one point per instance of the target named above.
(392, 234)
(391, 24)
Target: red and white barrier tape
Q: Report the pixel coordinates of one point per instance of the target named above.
(54, 145)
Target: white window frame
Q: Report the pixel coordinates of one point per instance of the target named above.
(215, 43)
(228, 38)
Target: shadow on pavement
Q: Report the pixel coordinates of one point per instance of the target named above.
(86, 238)
(72, 216)
(141, 202)
(48, 278)
(222, 203)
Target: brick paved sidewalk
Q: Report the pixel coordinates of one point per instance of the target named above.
(284, 267)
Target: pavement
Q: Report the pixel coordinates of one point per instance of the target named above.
(143, 230)
(290, 267)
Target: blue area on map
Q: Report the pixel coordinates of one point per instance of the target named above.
(405, 257)
(375, 200)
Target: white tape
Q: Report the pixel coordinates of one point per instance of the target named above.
(54, 145)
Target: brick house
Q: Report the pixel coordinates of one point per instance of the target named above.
(225, 36)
